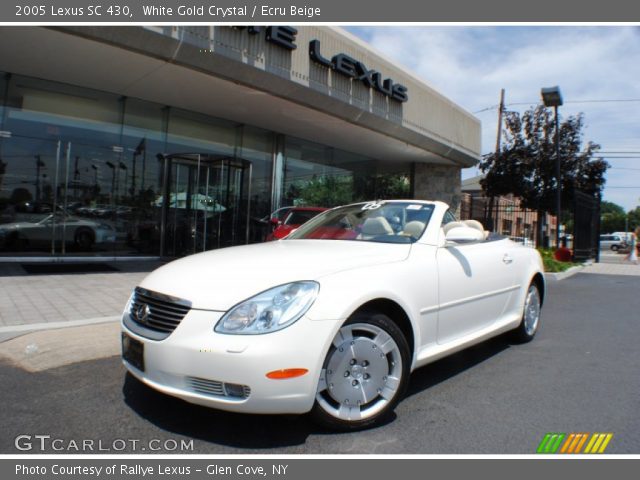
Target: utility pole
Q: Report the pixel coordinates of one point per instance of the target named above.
(626, 225)
(494, 221)
(500, 113)
(558, 181)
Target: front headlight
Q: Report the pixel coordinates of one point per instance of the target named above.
(271, 310)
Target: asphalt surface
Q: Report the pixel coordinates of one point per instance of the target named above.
(580, 374)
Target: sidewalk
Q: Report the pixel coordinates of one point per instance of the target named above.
(612, 264)
(50, 320)
(80, 298)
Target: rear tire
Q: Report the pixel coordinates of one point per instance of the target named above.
(364, 375)
(530, 316)
(16, 243)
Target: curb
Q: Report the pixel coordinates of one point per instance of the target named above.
(564, 275)
(28, 328)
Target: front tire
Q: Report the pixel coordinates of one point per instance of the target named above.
(364, 375)
(530, 316)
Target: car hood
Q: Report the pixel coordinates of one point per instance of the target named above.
(219, 279)
(12, 226)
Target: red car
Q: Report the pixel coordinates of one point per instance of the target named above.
(294, 218)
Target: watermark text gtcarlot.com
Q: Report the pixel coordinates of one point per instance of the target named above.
(47, 443)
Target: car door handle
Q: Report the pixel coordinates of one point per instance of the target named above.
(507, 259)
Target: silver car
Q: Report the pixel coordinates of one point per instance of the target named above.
(78, 231)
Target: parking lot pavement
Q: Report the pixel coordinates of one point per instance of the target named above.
(30, 299)
(578, 375)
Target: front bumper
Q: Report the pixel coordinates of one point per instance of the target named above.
(194, 350)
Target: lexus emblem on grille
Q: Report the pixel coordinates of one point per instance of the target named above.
(142, 312)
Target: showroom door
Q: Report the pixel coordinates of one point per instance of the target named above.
(206, 204)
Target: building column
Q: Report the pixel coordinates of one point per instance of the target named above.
(437, 182)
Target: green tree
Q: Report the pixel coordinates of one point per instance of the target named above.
(612, 217)
(611, 208)
(526, 163)
(326, 190)
(634, 218)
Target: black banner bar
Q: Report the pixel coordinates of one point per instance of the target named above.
(313, 11)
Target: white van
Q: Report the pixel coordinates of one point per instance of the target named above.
(626, 236)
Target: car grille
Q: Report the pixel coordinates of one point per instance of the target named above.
(218, 389)
(156, 311)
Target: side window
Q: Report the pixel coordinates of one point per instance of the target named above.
(448, 218)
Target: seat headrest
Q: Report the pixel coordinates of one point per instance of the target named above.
(451, 225)
(478, 226)
(413, 229)
(474, 224)
(376, 226)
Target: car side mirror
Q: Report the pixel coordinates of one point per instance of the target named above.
(464, 235)
(274, 222)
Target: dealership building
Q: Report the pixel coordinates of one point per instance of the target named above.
(164, 141)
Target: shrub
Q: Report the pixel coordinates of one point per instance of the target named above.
(563, 254)
(551, 264)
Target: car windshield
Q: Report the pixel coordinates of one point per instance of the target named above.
(387, 222)
(298, 217)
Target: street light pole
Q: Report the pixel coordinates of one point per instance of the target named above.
(553, 98)
(558, 180)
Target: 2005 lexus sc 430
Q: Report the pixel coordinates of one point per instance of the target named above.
(332, 319)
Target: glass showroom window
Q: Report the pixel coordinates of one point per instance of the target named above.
(140, 182)
(61, 141)
(311, 178)
(257, 147)
(316, 175)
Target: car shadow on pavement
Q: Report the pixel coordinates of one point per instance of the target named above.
(215, 426)
(441, 370)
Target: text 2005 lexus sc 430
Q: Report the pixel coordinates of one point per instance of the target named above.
(332, 319)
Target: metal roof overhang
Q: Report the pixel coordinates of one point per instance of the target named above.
(135, 62)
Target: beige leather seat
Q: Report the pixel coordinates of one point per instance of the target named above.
(413, 229)
(451, 225)
(478, 226)
(374, 226)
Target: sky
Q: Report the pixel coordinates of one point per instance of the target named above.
(596, 68)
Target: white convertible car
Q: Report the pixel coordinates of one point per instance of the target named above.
(333, 318)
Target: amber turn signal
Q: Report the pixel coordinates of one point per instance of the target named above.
(286, 373)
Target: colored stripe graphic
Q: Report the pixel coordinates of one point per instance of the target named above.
(551, 442)
(574, 442)
(570, 439)
(581, 443)
(598, 443)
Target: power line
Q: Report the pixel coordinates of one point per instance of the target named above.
(619, 100)
(492, 107)
(537, 102)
